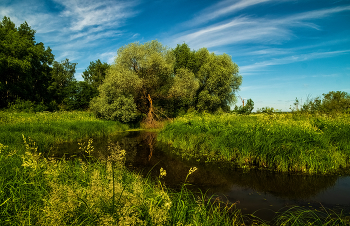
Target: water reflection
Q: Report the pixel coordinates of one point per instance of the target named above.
(253, 189)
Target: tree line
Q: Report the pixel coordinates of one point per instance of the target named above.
(30, 76)
(145, 81)
(154, 81)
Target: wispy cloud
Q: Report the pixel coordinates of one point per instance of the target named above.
(241, 29)
(77, 24)
(87, 13)
(252, 30)
(290, 59)
(223, 8)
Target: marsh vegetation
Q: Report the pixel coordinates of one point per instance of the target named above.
(280, 142)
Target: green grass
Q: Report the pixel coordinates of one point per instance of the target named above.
(49, 128)
(281, 142)
(38, 191)
(301, 216)
(43, 191)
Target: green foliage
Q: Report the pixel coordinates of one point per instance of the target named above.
(26, 106)
(334, 102)
(49, 128)
(95, 73)
(117, 107)
(24, 64)
(268, 110)
(165, 82)
(297, 215)
(247, 109)
(80, 95)
(217, 75)
(184, 88)
(185, 58)
(48, 191)
(218, 79)
(63, 83)
(139, 70)
(282, 142)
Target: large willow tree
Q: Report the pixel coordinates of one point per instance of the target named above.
(140, 81)
(148, 79)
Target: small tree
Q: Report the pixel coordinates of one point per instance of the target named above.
(246, 109)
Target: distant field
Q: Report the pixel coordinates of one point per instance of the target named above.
(281, 142)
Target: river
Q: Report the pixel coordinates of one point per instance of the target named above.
(261, 192)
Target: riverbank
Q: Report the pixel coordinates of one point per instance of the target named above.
(51, 128)
(90, 191)
(280, 142)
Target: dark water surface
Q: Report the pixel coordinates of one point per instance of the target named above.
(252, 190)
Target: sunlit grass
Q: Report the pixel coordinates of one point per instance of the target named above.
(49, 128)
(39, 191)
(282, 142)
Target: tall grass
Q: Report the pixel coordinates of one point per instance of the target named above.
(38, 191)
(49, 128)
(43, 191)
(297, 215)
(281, 142)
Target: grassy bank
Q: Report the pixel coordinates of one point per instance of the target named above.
(43, 191)
(49, 128)
(282, 142)
(39, 191)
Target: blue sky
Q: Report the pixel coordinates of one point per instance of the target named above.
(284, 48)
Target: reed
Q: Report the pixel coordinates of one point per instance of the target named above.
(297, 215)
(281, 142)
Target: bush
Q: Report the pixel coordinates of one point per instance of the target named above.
(268, 110)
(119, 108)
(26, 106)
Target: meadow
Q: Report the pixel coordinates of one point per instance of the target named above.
(48, 128)
(37, 190)
(281, 142)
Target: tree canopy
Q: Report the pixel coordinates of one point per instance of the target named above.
(152, 78)
(95, 73)
(24, 64)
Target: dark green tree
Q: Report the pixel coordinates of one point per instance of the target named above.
(93, 76)
(336, 102)
(24, 64)
(217, 75)
(184, 58)
(63, 85)
(95, 73)
(79, 95)
(218, 81)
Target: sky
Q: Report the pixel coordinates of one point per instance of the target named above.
(285, 49)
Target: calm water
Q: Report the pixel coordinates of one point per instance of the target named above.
(252, 190)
